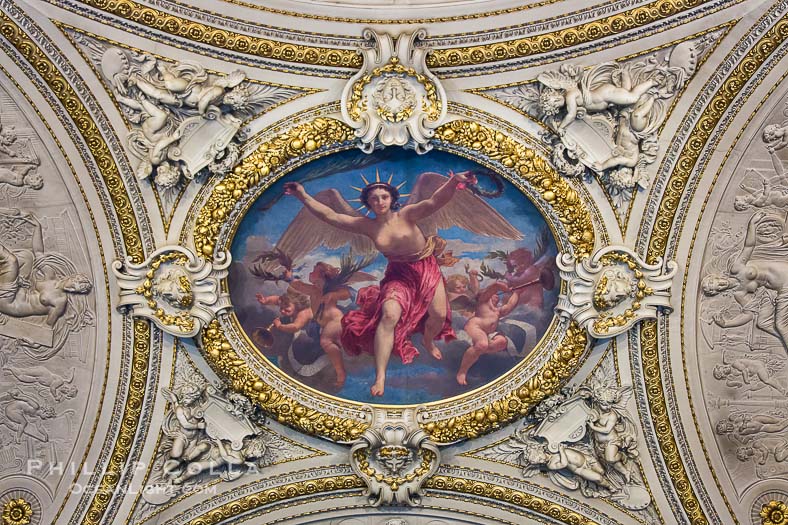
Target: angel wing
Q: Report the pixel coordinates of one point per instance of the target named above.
(306, 232)
(231, 80)
(602, 74)
(542, 243)
(557, 80)
(466, 210)
(626, 394)
(563, 480)
(463, 302)
(511, 452)
(170, 396)
(525, 98)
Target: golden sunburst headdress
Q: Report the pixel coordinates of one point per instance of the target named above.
(387, 185)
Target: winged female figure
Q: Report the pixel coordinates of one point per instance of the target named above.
(412, 296)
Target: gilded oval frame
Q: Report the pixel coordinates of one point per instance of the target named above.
(559, 353)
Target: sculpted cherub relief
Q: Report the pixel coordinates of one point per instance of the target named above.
(163, 99)
(59, 387)
(743, 321)
(630, 99)
(584, 439)
(758, 437)
(18, 162)
(24, 414)
(184, 119)
(207, 432)
(604, 118)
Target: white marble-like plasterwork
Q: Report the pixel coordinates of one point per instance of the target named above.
(394, 99)
(174, 288)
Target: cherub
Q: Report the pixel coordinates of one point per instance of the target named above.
(23, 407)
(751, 373)
(463, 290)
(60, 387)
(23, 176)
(328, 287)
(572, 465)
(8, 137)
(766, 195)
(613, 431)
(294, 311)
(188, 84)
(595, 90)
(578, 462)
(221, 455)
(186, 429)
(481, 327)
(530, 272)
(412, 294)
(774, 136)
(153, 140)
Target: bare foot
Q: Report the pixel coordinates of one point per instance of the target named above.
(435, 352)
(377, 388)
(461, 379)
(340, 382)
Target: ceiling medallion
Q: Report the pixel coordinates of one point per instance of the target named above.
(394, 99)
(300, 286)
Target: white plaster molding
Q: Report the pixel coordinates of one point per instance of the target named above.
(613, 289)
(394, 99)
(174, 288)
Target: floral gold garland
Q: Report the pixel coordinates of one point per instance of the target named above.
(606, 321)
(553, 188)
(563, 38)
(277, 494)
(230, 40)
(356, 105)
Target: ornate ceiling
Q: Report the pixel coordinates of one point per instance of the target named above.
(186, 338)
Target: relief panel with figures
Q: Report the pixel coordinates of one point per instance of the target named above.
(743, 314)
(47, 307)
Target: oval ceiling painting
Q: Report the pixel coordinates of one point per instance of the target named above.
(394, 278)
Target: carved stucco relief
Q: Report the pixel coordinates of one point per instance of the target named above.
(49, 370)
(741, 331)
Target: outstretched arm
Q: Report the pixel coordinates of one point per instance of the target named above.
(738, 320)
(323, 212)
(510, 305)
(267, 300)
(441, 197)
(571, 109)
(303, 317)
(304, 288)
(491, 290)
(473, 282)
